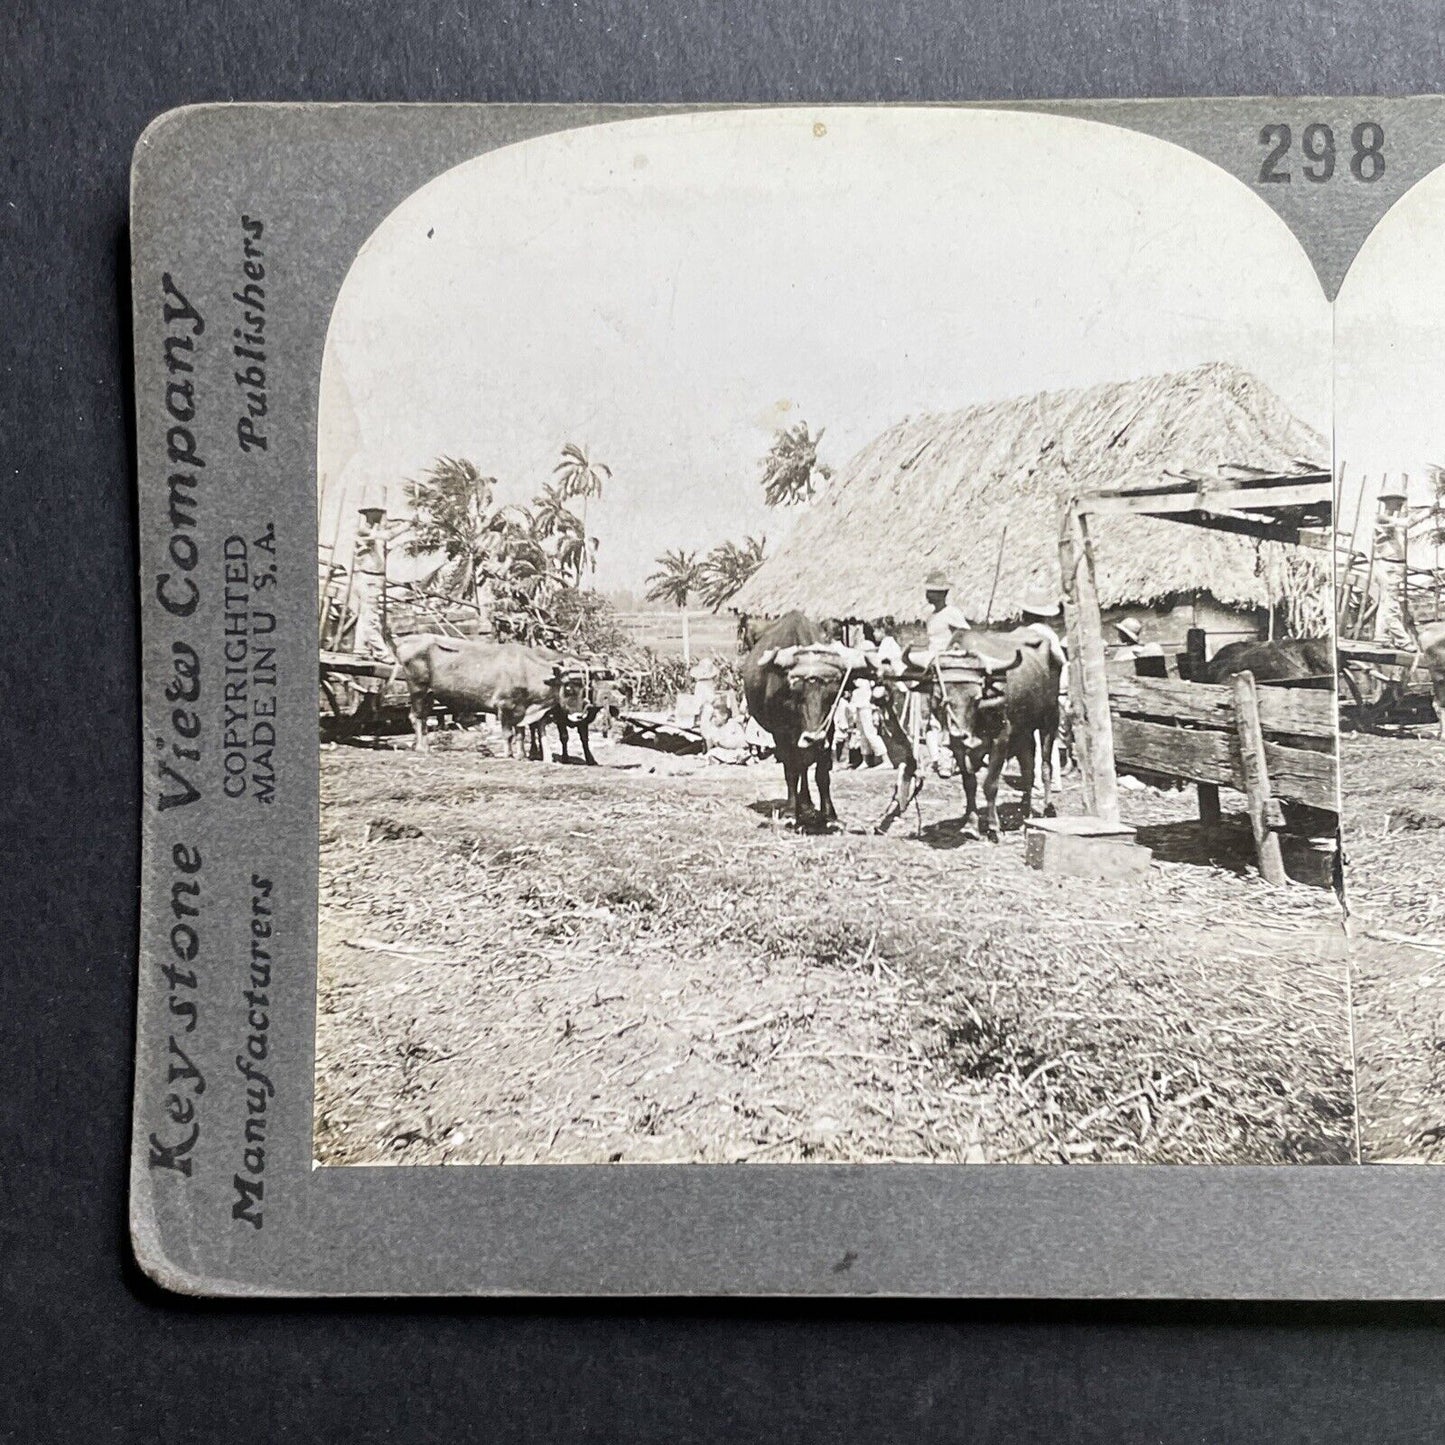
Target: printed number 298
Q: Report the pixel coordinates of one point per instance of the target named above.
(1317, 146)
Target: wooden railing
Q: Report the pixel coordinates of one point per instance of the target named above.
(1272, 743)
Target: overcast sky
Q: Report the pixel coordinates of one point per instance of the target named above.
(669, 291)
(1390, 350)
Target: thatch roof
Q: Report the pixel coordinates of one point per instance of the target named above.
(938, 491)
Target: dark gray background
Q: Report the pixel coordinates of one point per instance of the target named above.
(91, 1347)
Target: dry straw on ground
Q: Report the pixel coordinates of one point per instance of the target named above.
(571, 965)
(1395, 884)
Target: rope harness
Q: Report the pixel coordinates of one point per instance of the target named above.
(964, 667)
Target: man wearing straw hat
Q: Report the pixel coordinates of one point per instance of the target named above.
(1042, 615)
(1130, 647)
(1042, 612)
(943, 621)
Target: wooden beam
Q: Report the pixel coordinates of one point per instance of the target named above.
(1182, 480)
(1265, 529)
(1219, 497)
(1300, 487)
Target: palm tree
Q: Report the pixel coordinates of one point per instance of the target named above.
(455, 516)
(678, 576)
(791, 470)
(579, 476)
(550, 510)
(499, 550)
(728, 566)
(570, 554)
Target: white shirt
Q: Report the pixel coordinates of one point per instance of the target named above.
(943, 624)
(889, 655)
(1056, 648)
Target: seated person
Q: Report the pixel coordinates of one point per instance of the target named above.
(725, 735)
(1147, 657)
(883, 648)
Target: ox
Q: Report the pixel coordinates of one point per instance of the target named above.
(576, 707)
(996, 695)
(1287, 659)
(519, 684)
(793, 678)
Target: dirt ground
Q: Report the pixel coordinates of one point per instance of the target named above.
(1395, 887)
(536, 963)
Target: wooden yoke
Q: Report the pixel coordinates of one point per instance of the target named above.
(1088, 681)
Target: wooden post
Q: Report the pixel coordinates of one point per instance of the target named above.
(1209, 813)
(1256, 777)
(331, 569)
(1196, 644)
(1343, 583)
(1369, 571)
(1088, 679)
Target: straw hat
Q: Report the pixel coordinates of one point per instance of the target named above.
(1129, 628)
(937, 581)
(704, 671)
(1038, 603)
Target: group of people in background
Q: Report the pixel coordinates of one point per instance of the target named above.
(859, 741)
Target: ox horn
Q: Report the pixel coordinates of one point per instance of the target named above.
(768, 658)
(995, 668)
(785, 657)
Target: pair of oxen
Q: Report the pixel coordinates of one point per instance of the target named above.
(994, 696)
(524, 687)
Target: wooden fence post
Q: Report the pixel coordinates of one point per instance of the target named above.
(1209, 813)
(1088, 679)
(1256, 777)
(1196, 645)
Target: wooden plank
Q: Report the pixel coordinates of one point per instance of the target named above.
(1302, 775)
(1299, 712)
(1077, 826)
(1316, 682)
(1166, 699)
(1212, 757)
(1202, 755)
(1256, 778)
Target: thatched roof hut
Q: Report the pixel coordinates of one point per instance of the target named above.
(938, 491)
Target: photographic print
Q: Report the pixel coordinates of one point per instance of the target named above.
(826, 646)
